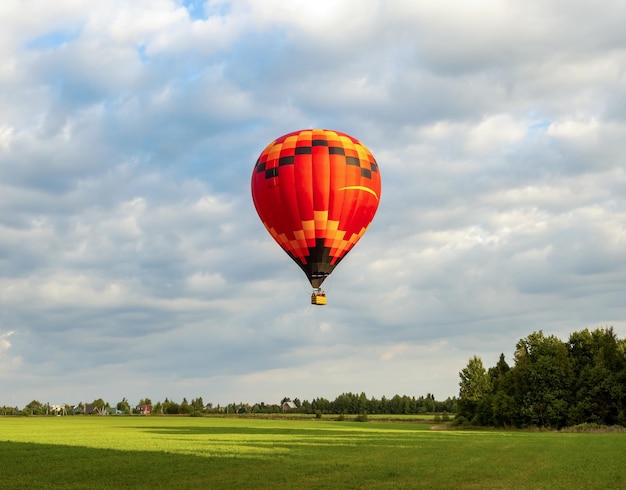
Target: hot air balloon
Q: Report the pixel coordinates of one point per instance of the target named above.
(316, 192)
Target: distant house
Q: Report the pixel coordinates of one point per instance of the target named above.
(58, 409)
(289, 406)
(144, 409)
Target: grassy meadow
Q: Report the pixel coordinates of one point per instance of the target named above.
(94, 452)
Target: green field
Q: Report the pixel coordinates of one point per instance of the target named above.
(92, 452)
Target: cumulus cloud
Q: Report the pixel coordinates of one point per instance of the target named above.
(130, 249)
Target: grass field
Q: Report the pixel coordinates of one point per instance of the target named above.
(96, 452)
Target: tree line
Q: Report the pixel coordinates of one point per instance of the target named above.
(346, 403)
(352, 403)
(551, 384)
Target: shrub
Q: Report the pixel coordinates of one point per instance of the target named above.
(459, 421)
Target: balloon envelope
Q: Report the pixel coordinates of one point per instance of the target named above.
(316, 191)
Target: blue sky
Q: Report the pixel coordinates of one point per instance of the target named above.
(132, 262)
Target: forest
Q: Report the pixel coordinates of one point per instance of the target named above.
(552, 383)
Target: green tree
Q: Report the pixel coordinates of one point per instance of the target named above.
(321, 404)
(100, 405)
(197, 404)
(306, 406)
(543, 376)
(395, 405)
(362, 403)
(185, 408)
(429, 403)
(384, 405)
(345, 403)
(171, 408)
(123, 405)
(34, 408)
(474, 387)
(502, 399)
(598, 363)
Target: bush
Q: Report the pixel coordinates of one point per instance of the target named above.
(318, 414)
(459, 421)
(362, 417)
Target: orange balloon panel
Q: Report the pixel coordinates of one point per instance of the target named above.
(316, 192)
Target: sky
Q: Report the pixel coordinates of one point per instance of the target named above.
(133, 263)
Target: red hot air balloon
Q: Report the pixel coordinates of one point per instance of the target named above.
(316, 191)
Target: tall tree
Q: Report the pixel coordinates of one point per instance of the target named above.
(502, 400)
(198, 404)
(599, 364)
(474, 386)
(543, 376)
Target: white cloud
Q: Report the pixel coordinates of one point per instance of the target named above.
(574, 130)
(5, 136)
(4, 341)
